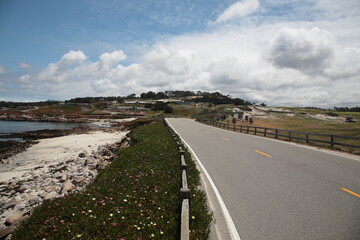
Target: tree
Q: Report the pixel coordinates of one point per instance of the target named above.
(239, 101)
(148, 95)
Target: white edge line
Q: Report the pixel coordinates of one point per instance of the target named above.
(229, 222)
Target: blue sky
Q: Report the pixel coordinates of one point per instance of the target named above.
(40, 31)
(299, 53)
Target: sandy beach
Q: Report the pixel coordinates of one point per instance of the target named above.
(54, 150)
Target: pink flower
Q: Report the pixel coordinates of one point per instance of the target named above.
(62, 221)
(114, 224)
(46, 222)
(139, 205)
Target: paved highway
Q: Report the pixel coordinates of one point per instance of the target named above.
(277, 190)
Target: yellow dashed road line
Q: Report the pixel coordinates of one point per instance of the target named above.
(263, 153)
(351, 192)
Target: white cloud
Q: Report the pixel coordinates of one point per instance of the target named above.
(345, 64)
(111, 59)
(103, 86)
(2, 70)
(169, 60)
(306, 50)
(24, 65)
(238, 10)
(57, 72)
(72, 57)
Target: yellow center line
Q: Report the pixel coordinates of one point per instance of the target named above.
(263, 153)
(348, 191)
(226, 139)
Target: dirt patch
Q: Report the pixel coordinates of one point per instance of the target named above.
(328, 118)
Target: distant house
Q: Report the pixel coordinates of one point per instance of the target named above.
(118, 108)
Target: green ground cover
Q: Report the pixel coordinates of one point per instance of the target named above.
(135, 197)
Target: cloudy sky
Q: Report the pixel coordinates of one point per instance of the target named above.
(282, 52)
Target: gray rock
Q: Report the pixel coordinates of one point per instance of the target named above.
(51, 195)
(11, 203)
(102, 165)
(6, 232)
(12, 219)
(67, 187)
(57, 175)
(48, 188)
(34, 200)
(20, 206)
(78, 180)
(82, 154)
(23, 218)
(9, 237)
(23, 188)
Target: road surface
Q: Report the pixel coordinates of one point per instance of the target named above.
(278, 190)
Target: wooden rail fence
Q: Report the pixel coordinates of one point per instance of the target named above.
(286, 134)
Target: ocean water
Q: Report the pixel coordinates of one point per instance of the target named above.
(22, 126)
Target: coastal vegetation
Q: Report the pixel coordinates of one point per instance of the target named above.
(135, 197)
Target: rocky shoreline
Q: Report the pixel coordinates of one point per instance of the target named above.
(43, 118)
(9, 148)
(18, 196)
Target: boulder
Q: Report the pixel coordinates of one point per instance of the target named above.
(34, 200)
(23, 188)
(50, 195)
(12, 219)
(67, 187)
(48, 188)
(6, 232)
(57, 175)
(11, 203)
(82, 154)
(78, 180)
(23, 218)
(102, 165)
(63, 178)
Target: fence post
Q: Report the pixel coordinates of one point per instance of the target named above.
(276, 134)
(234, 128)
(332, 140)
(247, 129)
(265, 132)
(290, 136)
(307, 138)
(255, 130)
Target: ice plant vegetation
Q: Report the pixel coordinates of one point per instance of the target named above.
(135, 197)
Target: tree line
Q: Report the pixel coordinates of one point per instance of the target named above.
(208, 97)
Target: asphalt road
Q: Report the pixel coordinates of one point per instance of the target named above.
(277, 190)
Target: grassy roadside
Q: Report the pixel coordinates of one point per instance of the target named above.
(135, 197)
(200, 218)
